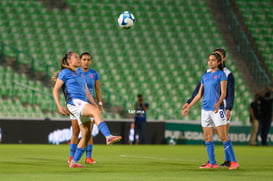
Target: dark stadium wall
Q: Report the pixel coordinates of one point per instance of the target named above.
(38, 131)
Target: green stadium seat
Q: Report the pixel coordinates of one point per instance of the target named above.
(121, 57)
(258, 16)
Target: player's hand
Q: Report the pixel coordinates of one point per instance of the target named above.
(185, 112)
(228, 114)
(185, 106)
(100, 108)
(63, 111)
(215, 108)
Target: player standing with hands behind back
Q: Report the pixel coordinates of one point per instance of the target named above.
(213, 88)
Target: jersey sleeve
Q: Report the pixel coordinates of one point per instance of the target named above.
(62, 75)
(222, 77)
(97, 76)
(230, 91)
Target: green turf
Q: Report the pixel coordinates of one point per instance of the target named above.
(131, 162)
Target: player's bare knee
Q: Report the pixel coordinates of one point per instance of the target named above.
(207, 138)
(95, 113)
(223, 138)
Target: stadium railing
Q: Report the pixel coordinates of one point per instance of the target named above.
(244, 47)
(21, 57)
(34, 92)
(37, 96)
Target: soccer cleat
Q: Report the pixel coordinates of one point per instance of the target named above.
(209, 165)
(204, 164)
(112, 139)
(75, 165)
(225, 164)
(70, 159)
(234, 166)
(90, 161)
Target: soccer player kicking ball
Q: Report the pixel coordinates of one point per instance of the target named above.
(213, 89)
(77, 96)
(92, 79)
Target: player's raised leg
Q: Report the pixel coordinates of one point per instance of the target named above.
(92, 111)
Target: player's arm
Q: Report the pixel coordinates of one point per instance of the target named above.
(98, 93)
(145, 106)
(222, 96)
(89, 97)
(194, 101)
(195, 92)
(58, 85)
(230, 94)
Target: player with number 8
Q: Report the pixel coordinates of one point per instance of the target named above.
(213, 89)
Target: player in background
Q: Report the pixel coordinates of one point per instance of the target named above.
(92, 79)
(213, 89)
(141, 108)
(228, 101)
(77, 96)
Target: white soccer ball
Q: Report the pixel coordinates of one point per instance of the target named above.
(126, 20)
(172, 142)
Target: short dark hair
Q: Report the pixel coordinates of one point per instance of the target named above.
(220, 50)
(85, 53)
(139, 95)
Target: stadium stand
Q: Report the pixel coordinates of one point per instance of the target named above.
(258, 16)
(162, 57)
(29, 98)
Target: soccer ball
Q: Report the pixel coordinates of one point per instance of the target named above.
(126, 20)
(172, 142)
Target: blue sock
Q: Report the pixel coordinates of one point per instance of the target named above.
(73, 148)
(210, 150)
(78, 154)
(104, 129)
(89, 149)
(227, 158)
(229, 151)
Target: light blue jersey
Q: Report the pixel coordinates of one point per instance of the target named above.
(212, 89)
(90, 77)
(74, 85)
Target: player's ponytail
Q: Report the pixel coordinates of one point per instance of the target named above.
(63, 64)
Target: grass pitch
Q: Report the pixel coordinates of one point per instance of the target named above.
(131, 163)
